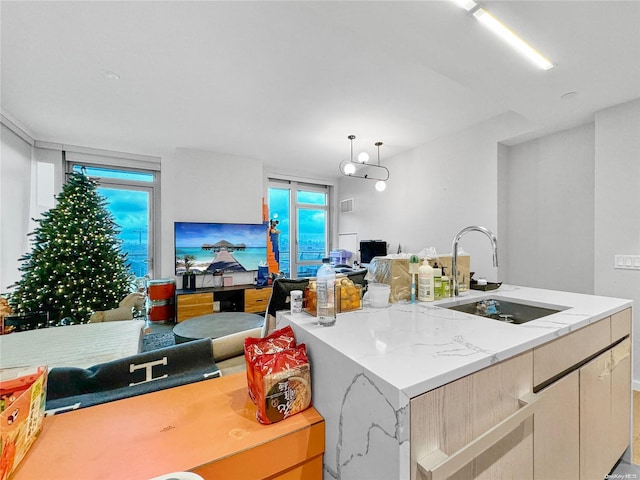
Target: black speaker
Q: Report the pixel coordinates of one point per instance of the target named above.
(189, 281)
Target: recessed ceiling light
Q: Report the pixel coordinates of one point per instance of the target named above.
(497, 27)
(111, 75)
(568, 95)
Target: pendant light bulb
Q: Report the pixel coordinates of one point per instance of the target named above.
(349, 169)
(381, 185)
(363, 157)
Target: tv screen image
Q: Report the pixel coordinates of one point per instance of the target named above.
(228, 247)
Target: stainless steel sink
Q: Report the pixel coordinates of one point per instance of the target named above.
(505, 310)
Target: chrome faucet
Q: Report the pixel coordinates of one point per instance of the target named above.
(456, 239)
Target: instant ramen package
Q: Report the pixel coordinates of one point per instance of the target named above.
(277, 341)
(282, 383)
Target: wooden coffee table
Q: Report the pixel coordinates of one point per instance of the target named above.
(216, 325)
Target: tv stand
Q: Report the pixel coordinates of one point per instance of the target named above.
(238, 298)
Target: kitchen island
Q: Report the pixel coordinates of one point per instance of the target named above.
(371, 371)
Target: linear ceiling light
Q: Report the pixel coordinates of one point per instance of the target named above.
(511, 38)
(468, 5)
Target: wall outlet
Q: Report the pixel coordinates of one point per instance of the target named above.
(626, 262)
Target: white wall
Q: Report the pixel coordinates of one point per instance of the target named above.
(433, 192)
(196, 186)
(15, 191)
(579, 194)
(617, 207)
(549, 211)
(202, 186)
(44, 188)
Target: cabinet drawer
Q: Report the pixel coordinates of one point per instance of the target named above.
(620, 324)
(461, 420)
(190, 311)
(563, 353)
(195, 299)
(256, 300)
(193, 305)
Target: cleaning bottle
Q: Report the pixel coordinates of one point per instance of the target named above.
(425, 282)
(414, 264)
(437, 281)
(325, 291)
(445, 285)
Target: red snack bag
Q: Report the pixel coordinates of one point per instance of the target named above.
(277, 341)
(283, 384)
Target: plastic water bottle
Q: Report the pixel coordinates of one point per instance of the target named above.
(325, 291)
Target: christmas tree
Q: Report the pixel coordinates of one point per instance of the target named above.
(76, 265)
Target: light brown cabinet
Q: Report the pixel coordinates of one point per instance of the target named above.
(583, 426)
(557, 431)
(478, 427)
(605, 395)
(620, 398)
(560, 410)
(193, 305)
(235, 299)
(256, 299)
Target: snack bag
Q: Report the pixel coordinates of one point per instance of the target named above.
(283, 382)
(22, 403)
(253, 347)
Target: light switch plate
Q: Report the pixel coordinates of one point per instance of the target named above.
(626, 262)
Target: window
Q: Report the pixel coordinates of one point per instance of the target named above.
(130, 195)
(302, 211)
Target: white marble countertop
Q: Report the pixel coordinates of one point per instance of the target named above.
(417, 347)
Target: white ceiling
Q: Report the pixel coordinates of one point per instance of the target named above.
(286, 82)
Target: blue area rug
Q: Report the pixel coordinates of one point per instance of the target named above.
(154, 341)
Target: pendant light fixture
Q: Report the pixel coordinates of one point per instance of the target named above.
(362, 169)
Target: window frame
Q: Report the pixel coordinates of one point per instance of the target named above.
(294, 186)
(153, 188)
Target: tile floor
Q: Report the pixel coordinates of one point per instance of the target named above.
(625, 470)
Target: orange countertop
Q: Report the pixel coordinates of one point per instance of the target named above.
(208, 427)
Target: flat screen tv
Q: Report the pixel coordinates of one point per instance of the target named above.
(227, 247)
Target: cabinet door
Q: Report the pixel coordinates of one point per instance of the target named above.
(620, 398)
(194, 304)
(454, 428)
(620, 324)
(256, 300)
(595, 418)
(556, 428)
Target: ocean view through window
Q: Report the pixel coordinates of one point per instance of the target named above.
(129, 196)
(302, 212)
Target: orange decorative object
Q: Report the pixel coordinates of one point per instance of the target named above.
(162, 289)
(209, 428)
(273, 264)
(162, 295)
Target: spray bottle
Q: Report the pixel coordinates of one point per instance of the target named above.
(414, 263)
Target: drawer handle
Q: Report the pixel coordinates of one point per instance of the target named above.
(437, 465)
